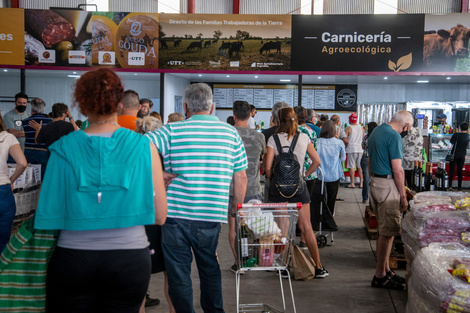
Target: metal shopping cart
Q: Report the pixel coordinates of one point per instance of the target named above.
(265, 233)
(324, 217)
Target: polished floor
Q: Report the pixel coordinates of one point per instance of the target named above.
(350, 261)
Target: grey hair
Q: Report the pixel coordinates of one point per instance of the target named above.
(148, 124)
(402, 118)
(198, 98)
(311, 113)
(276, 107)
(38, 105)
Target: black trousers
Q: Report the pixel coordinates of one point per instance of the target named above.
(113, 281)
(459, 161)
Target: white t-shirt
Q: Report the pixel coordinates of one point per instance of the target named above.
(355, 139)
(7, 140)
(300, 148)
(251, 123)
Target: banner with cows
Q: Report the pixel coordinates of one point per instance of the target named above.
(225, 42)
(402, 43)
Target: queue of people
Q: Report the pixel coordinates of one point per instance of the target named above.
(127, 185)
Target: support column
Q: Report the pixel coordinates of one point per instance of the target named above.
(236, 6)
(465, 6)
(162, 95)
(300, 91)
(22, 80)
(191, 6)
(15, 4)
(313, 10)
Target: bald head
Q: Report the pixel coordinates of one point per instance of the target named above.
(335, 118)
(402, 118)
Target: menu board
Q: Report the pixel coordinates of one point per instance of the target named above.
(318, 97)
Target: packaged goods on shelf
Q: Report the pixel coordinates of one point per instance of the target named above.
(31, 176)
(433, 218)
(432, 287)
(26, 202)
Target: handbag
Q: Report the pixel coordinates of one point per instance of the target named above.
(450, 157)
(23, 269)
(302, 264)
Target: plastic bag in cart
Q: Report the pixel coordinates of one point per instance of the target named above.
(262, 224)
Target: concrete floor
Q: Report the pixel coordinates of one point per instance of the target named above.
(350, 261)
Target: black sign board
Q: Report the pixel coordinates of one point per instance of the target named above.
(370, 43)
(346, 98)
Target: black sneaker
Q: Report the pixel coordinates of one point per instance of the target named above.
(321, 273)
(234, 269)
(386, 283)
(151, 301)
(302, 245)
(284, 274)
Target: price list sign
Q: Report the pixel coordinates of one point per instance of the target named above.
(285, 94)
(223, 97)
(243, 94)
(263, 98)
(324, 98)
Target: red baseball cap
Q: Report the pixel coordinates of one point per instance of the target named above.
(353, 118)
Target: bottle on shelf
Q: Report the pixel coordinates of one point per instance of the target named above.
(413, 175)
(418, 178)
(446, 177)
(428, 180)
(432, 181)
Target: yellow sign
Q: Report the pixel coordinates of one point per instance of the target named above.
(12, 36)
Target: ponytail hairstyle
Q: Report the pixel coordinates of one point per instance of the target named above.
(288, 122)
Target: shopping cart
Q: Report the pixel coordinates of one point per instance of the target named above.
(264, 239)
(324, 215)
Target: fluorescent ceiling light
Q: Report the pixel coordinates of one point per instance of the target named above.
(284, 80)
(5, 70)
(135, 74)
(423, 81)
(448, 77)
(385, 77)
(319, 77)
(256, 76)
(74, 76)
(228, 75)
(200, 75)
(74, 72)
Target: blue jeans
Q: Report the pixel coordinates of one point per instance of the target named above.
(365, 175)
(37, 157)
(178, 238)
(7, 214)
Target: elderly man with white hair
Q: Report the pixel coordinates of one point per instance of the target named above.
(203, 155)
(387, 192)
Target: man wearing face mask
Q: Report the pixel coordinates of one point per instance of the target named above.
(387, 192)
(14, 119)
(412, 150)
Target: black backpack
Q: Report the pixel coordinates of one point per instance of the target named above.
(287, 180)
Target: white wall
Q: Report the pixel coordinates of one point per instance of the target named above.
(174, 86)
(394, 93)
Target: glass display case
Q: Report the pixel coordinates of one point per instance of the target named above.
(439, 147)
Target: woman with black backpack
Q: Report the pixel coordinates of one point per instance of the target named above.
(285, 170)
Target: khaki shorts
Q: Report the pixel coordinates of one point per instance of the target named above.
(354, 160)
(385, 203)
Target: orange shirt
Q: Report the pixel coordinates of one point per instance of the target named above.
(127, 121)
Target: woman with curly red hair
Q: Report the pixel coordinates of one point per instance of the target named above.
(101, 187)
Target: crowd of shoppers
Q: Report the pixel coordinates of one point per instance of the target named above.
(106, 188)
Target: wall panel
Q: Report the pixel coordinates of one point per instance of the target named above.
(150, 6)
(209, 6)
(429, 6)
(270, 7)
(46, 4)
(348, 7)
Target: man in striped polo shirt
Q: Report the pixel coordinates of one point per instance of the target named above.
(36, 153)
(201, 155)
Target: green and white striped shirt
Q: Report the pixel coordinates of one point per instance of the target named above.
(204, 152)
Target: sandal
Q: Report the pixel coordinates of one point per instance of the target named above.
(386, 283)
(394, 276)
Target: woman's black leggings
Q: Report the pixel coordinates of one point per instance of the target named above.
(459, 161)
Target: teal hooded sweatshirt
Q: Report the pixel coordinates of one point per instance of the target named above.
(94, 182)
